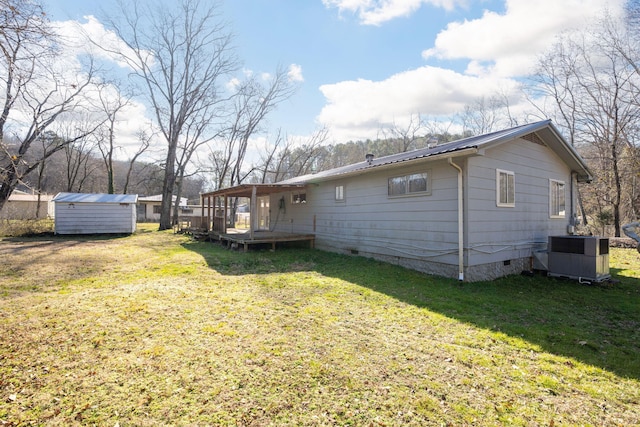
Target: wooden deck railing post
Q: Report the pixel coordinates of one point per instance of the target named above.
(253, 215)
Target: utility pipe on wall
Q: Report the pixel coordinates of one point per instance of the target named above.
(460, 222)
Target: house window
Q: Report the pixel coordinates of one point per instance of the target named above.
(339, 193)
(556, 199)
(505, 189)
(157, 209)
(408, 184)
(298, 198)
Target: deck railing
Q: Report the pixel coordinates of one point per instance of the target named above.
(218, 224)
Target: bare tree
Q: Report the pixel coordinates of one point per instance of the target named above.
(79, 164)
(485, 115)
(193, 139)
(144, 141)
(112, 102)
(404, 138)
(179, 55)
(35, 93)
(594, 95)
(41, 172)
(291, 157)
(271, 158)
(252, 103)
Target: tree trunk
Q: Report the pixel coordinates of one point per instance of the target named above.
(178, 194)
(7, 187)
(39, 188)
(167, 188)
(618, 195)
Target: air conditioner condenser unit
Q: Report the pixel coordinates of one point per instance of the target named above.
(585, 258)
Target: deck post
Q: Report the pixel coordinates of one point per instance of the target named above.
(202, 210)
(224, 214)
(208, 216)
(253, 211)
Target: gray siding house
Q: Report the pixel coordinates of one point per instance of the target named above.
(94, 213)
(473, 209)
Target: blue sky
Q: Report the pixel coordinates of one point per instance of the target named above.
(367, 64)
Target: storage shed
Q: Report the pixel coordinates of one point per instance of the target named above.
(85, 213)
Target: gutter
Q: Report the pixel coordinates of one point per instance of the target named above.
(460, 222)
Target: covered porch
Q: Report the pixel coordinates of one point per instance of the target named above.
(216, 212)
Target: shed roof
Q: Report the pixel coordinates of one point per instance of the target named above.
(95, 198)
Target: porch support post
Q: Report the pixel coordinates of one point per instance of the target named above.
(253, 214)
(224, 215)
(209, 217)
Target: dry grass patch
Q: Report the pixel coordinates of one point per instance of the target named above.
(154, 329)
(28, 227)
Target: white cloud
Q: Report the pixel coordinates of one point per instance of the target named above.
(376, 12)
(75, 35)
(498, 47)
(507, 43)
(233, 84)
(295, 73)
(359, 109)
(91, 37)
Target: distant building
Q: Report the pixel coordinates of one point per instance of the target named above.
(150, 207)
(22, 205)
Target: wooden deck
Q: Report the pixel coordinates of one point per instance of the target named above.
(242, 237)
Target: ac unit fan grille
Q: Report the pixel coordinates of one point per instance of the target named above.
(568, 245)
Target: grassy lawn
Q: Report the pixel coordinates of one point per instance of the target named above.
(156, 329)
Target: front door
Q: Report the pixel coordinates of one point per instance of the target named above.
(263, 213)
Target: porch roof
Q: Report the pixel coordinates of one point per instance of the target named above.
(246, 190)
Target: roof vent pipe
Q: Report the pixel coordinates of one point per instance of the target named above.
(369, 158)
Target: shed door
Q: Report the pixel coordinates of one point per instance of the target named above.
(263, 213)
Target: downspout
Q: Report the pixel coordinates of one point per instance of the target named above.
(460, 223)
(573, 214)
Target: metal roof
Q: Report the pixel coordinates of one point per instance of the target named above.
(158, 198)
(544, 131)
(246, 190)
(95, 198)
(22, 197)
(472, 145)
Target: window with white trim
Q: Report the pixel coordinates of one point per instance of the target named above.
(505, 188)
(557, 205)
(339, 193)
(409, 184)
